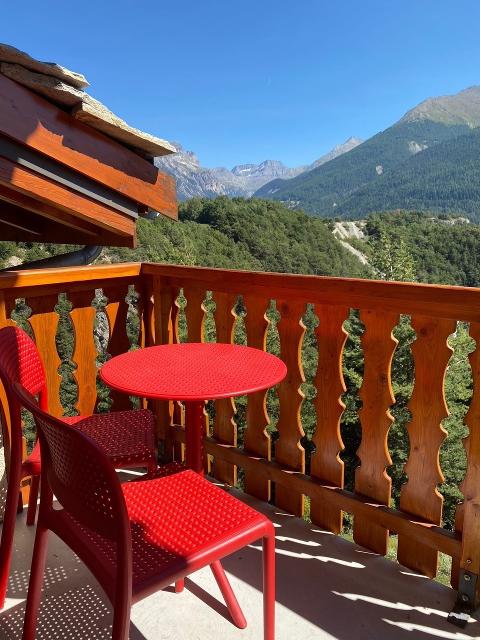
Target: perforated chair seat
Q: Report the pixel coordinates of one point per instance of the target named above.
(178, 520)
(126, 437)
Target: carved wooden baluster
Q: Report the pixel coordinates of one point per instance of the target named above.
(427, 405)
(467, 519)
(85, 352)
(116, 311)
(256, 439)
(224, 426)
(44, 323)
(288, 450)
(162, 332)
(371, 478)
(326, 463)
(195, 316)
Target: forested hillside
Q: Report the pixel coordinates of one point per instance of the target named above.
(324, 189)
(443, 178)
(436, 250)
(236, 234)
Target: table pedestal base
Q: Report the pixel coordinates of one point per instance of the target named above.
(194, 435)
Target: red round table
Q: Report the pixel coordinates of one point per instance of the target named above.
(193, 373)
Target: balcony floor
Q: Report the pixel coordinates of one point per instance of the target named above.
(326, 588)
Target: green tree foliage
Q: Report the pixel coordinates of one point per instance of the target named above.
(443, 178)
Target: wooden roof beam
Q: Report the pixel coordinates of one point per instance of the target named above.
(40, 125)
(26, 182)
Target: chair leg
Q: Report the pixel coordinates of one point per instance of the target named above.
(35, 584)
(32, 501)
(269, 586)
(8, 528)
(179, 586)
(227, 592)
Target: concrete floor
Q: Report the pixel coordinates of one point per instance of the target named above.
(326, 588)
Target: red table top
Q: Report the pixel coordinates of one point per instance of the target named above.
(193, 371)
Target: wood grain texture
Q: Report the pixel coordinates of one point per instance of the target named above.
(54, 194)
(165, 328)
(468, 512)
(59, 277)
(326, 464)
(376, 394)
(44, 323)
(288, 450)
(443, 301)
(116, 311)
(256, 439)
(49, 223)
(40, 125)
(417, 528)
(85, 352)
(420, 496)
(224, 425)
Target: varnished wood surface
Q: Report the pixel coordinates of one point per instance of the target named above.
(468, 512)
(371, 478)
(24, 219)
(40, 125)
(419, 495)
(53, 194)
(224, 425)
(288, 449)
(326, 464)
(443, 301)
(429, 535)
(256, 439)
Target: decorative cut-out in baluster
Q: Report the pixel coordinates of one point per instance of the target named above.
(116, 310)
(44, 323)
(467, 517)
(326, 464)
(288, 450)
(85, 352)
(256, 439)
(224, 425)
(428, 408)
(371, 478)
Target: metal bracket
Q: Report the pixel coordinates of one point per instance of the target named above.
(466, 599)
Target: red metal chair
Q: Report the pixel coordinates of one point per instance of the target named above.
(141, 536)
(127, 437)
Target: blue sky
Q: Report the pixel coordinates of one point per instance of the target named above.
(248, 80)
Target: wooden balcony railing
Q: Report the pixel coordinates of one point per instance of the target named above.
(173, 304)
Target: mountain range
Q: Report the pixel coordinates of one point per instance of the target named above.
(243, 180)
(429, 161)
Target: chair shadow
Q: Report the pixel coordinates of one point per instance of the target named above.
(346, 591)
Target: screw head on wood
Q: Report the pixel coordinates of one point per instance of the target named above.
(466, 577)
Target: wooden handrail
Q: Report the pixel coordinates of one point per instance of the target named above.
(442, 301)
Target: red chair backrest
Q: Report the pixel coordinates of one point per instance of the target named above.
(78, 472)
(20, 360)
